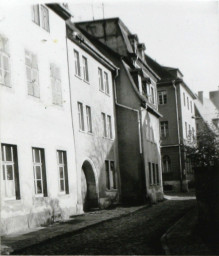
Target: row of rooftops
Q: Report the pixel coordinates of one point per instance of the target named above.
(135, 50)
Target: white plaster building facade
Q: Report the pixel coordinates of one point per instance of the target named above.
(93, 111)
(38, 170)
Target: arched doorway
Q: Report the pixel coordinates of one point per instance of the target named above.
(88, 187)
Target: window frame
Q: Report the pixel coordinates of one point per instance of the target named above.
(106, 83)
(77, 63)
(100, 78)
(4, 55)
(63, 165)
(109, 127)
(85, 69)
(162, 97)
(15, 172)
(164, 129)
(103, 117)
(56, 85)
(43, 179)
(89, 119)
(40, 20)
(81, 116)
(166, 168)
(111, 177)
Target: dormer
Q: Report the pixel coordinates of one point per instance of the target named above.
(133, 38)
(141, 49)
(137, 76)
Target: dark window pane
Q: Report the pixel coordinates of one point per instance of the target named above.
(37, 155)
(3, 169)
(9, 172)
(61, 171)
(62, 185)
(8, 153)
(38, 173)
(60, 157)
(39, 187)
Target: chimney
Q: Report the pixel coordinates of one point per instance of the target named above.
(200, 96)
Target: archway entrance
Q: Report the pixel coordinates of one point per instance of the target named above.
(88, 187)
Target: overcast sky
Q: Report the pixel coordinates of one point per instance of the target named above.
(182, 34)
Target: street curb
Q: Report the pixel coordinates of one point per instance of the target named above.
(163, 239)
(8, 250)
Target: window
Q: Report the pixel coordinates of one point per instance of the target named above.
(10, 175)
(89, 119)
(184, 99)
(166, 164)
(63, 173)
(100, 76)
(154, 173)
(152, 96)
(110, 175)
(39, 171)
(32, 74)
(56, 85)
(191, 106)
(190, 130)
(40, 15)
(4, 62)
(164, 129)
(77, 63)
(162, 97)
(157, 174)
(81, 116)
(85, 68)
(150, 173)
(109, 127)
(186, 129)
(188, 102)
(104, 124)
(106, 83)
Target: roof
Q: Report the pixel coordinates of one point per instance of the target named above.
(60, 10)
(82, 40)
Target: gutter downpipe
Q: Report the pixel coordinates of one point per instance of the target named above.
(178, 132)
(72, 123)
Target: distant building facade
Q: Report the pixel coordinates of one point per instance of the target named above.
(93, 111)
(177, 126)
(136, 109)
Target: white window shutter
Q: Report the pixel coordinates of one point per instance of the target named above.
(35, 81)
(29, 82)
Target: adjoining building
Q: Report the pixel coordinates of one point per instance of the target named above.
(177, 126)
(137, 114)
(38, 170)
(93, 111)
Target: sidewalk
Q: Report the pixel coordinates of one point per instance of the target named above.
(19, 241)
(183, 238)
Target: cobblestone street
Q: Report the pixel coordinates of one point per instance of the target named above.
(138, 233)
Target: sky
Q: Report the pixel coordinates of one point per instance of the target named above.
(182, 34)
(177, 33)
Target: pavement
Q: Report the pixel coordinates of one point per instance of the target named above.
(180, 239)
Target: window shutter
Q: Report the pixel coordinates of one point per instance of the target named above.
(45, 193)
(66, 174)
(34, 61)
(35, 82)
(29, 82)
(6, 71)
(58, 92)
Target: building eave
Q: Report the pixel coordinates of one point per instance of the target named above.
(60, 10)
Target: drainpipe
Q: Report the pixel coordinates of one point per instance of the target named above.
(73, 133)
(178, 133)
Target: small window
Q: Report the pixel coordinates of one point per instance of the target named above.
(89, 119)
(81, 116)
(110, 175)
(109, 127)
(164, 129)
(56, 85)
(166, 164)
(10, 175)
(100, 76)
(85, 69)
(77, 63)
(191, 106)
(188, 102)
(4, 62)
(104, 124)
(32, 74)
(150, 173)
(184, 99)
(152, 96)
(40, 15)
(106, 83)
(63, 173)
(39, 171)
(162, 96)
